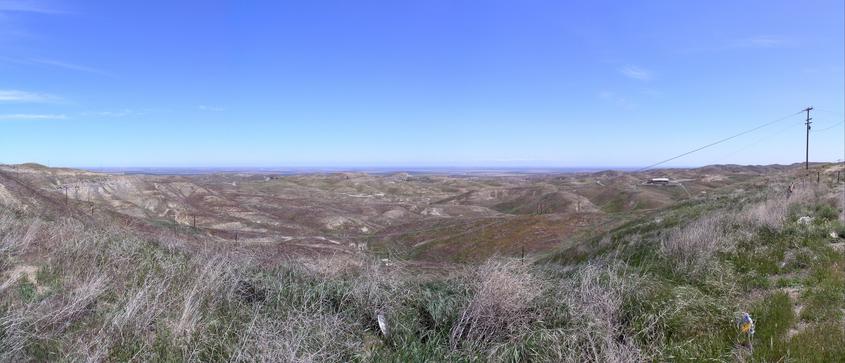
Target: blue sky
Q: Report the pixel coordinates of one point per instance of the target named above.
(417, 83)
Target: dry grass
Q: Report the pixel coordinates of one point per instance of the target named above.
(16, 234)
(691, 248)
(299, 337)
(48, 319)
(212, 280)
(141, 307)
(771, 213)
(594, 298)
(334, 266)
(143, 286)
(112, 296)
(500, 305)
(376, 288)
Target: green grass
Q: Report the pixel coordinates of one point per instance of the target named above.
(27, 291)
(825, 296)
(773, 316)
(823, 342)
(701, 328)
(762, 255)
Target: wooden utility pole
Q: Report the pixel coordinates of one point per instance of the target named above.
(807, 150)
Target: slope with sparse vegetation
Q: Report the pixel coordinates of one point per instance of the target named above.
(665, 287)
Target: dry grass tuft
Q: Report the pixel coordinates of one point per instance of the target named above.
(503, 291)
(377, 287)
(773, 211)
(49, 318)
(212, 279)
(77, 303)
(770, 213)
(334, 266)
(691, 248)
(141, 307)
(299, 337)
(594, 297)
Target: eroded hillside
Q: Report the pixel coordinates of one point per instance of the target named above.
(633, 285)
(410, 216)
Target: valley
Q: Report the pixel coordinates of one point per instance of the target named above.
(420, 217)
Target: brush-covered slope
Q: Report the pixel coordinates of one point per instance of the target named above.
(659, 285)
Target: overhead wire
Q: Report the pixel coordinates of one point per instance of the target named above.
(833, 112)
(829, 111)
(830, 127)
(722, 140)
(764, 138)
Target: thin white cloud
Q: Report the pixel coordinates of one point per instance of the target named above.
(210, 108)
(739, 43)
(606, 95)
(118, 113)
(760, 41)
(70, 66)
(651, 92)
(25, 96)
(32, 116)
(635, 72)
(10, 10)
(619, 101)
(28, 6)
(56, 64)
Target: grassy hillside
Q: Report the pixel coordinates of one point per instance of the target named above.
(666, 287)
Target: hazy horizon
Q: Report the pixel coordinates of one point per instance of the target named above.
(386, 169)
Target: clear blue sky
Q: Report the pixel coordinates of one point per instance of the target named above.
(413, 83)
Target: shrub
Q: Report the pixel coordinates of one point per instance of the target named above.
(771, 213)
(826, 212)
(503, 291)
(691, 248)
(595, 297)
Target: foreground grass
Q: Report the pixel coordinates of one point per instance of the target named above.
(666, 288)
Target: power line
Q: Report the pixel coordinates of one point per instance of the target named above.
(830, 111)
(831, 126)
(721, 141)
(767, 137)
(833, 112)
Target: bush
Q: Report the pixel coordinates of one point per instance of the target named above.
(503, 291)
(826, 212)
(599, 329)
(691, 248)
